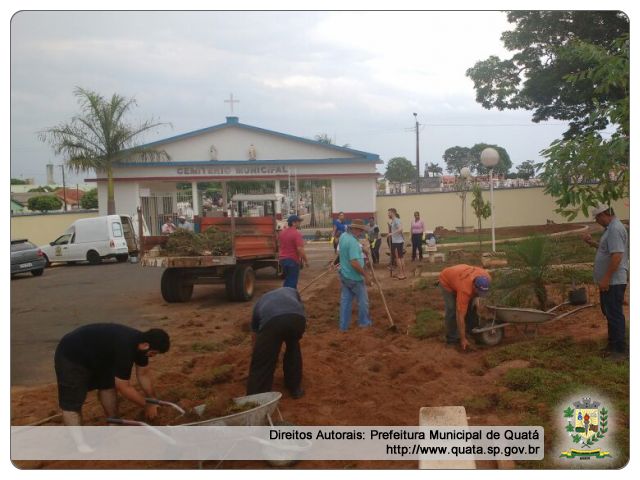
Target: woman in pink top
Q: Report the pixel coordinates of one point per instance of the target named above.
(417, 230)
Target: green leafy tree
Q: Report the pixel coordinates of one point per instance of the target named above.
(481, 209)
(534, 77)
(573, 66)
(44, 203)
(503, 166)
(400, 170)
(456, 158)
(590, 168)
(90, 199)
(526, 170)
(99, 137)
(18, 181)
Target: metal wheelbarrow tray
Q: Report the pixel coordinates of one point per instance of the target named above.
(491, 333)
(260, 415)
(257, 416)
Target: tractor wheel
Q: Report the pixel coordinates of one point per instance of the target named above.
(244, 281)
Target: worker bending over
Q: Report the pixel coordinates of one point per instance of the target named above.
(460, 285)
(101, 356)
(278, 317)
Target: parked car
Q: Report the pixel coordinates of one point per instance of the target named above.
(94, 239)
(26, 257)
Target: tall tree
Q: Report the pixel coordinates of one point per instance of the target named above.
(573, 66)
(534, 77)
(526, 169)
(591, 168)
(400, 170)
(504, 163)
(99, 137)
(456, 158)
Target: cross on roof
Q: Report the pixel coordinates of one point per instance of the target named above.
(231, 101)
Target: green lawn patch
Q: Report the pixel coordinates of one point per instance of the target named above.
(561, 368)
(429, 323)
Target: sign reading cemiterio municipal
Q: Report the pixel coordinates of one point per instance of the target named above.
(239, 170)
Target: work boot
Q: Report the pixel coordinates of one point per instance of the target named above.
(297, 393)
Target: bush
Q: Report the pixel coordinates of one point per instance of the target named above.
(44, 203)
(90, 199)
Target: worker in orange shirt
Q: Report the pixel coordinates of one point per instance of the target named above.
(460, 285)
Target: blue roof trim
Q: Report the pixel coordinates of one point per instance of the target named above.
(247, 162)
(230, 124)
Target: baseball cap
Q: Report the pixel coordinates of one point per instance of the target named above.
(293, 218)
(597, 210)
(482, 285)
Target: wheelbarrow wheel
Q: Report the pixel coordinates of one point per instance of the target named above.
(490, 337)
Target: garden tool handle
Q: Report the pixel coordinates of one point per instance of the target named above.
(122, 421)
(155, 401)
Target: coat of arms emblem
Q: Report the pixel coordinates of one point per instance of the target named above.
(587, 424)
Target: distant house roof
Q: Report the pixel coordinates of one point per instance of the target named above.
(73, 196)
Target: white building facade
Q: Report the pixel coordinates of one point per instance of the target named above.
(236, 152)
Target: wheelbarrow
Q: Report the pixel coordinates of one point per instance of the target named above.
(491, 331)
(260, 415)
(257, 416)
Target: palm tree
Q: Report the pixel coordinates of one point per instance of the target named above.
(433, 168)
(532, 260)
(99, 137)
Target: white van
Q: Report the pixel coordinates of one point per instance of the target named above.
(93, 239)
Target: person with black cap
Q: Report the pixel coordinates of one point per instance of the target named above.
(460, 285)
(292, 253)
(101, 356)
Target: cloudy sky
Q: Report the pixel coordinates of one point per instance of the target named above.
(357, 77)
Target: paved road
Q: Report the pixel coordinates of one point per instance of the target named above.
(44, 308)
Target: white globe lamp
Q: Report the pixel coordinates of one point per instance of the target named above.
(490, 158)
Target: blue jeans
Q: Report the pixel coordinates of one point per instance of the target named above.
(611, 305)
(350, 290)
(450, 323)
(291, 271)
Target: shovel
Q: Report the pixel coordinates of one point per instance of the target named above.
(393, 327)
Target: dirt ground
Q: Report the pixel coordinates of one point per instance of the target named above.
(361, 377)
(515, 232)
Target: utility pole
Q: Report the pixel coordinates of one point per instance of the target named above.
(64, 188)
(417, 153)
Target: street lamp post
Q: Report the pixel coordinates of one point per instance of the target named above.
(490, 158)
(415, 115)
(465, 173)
